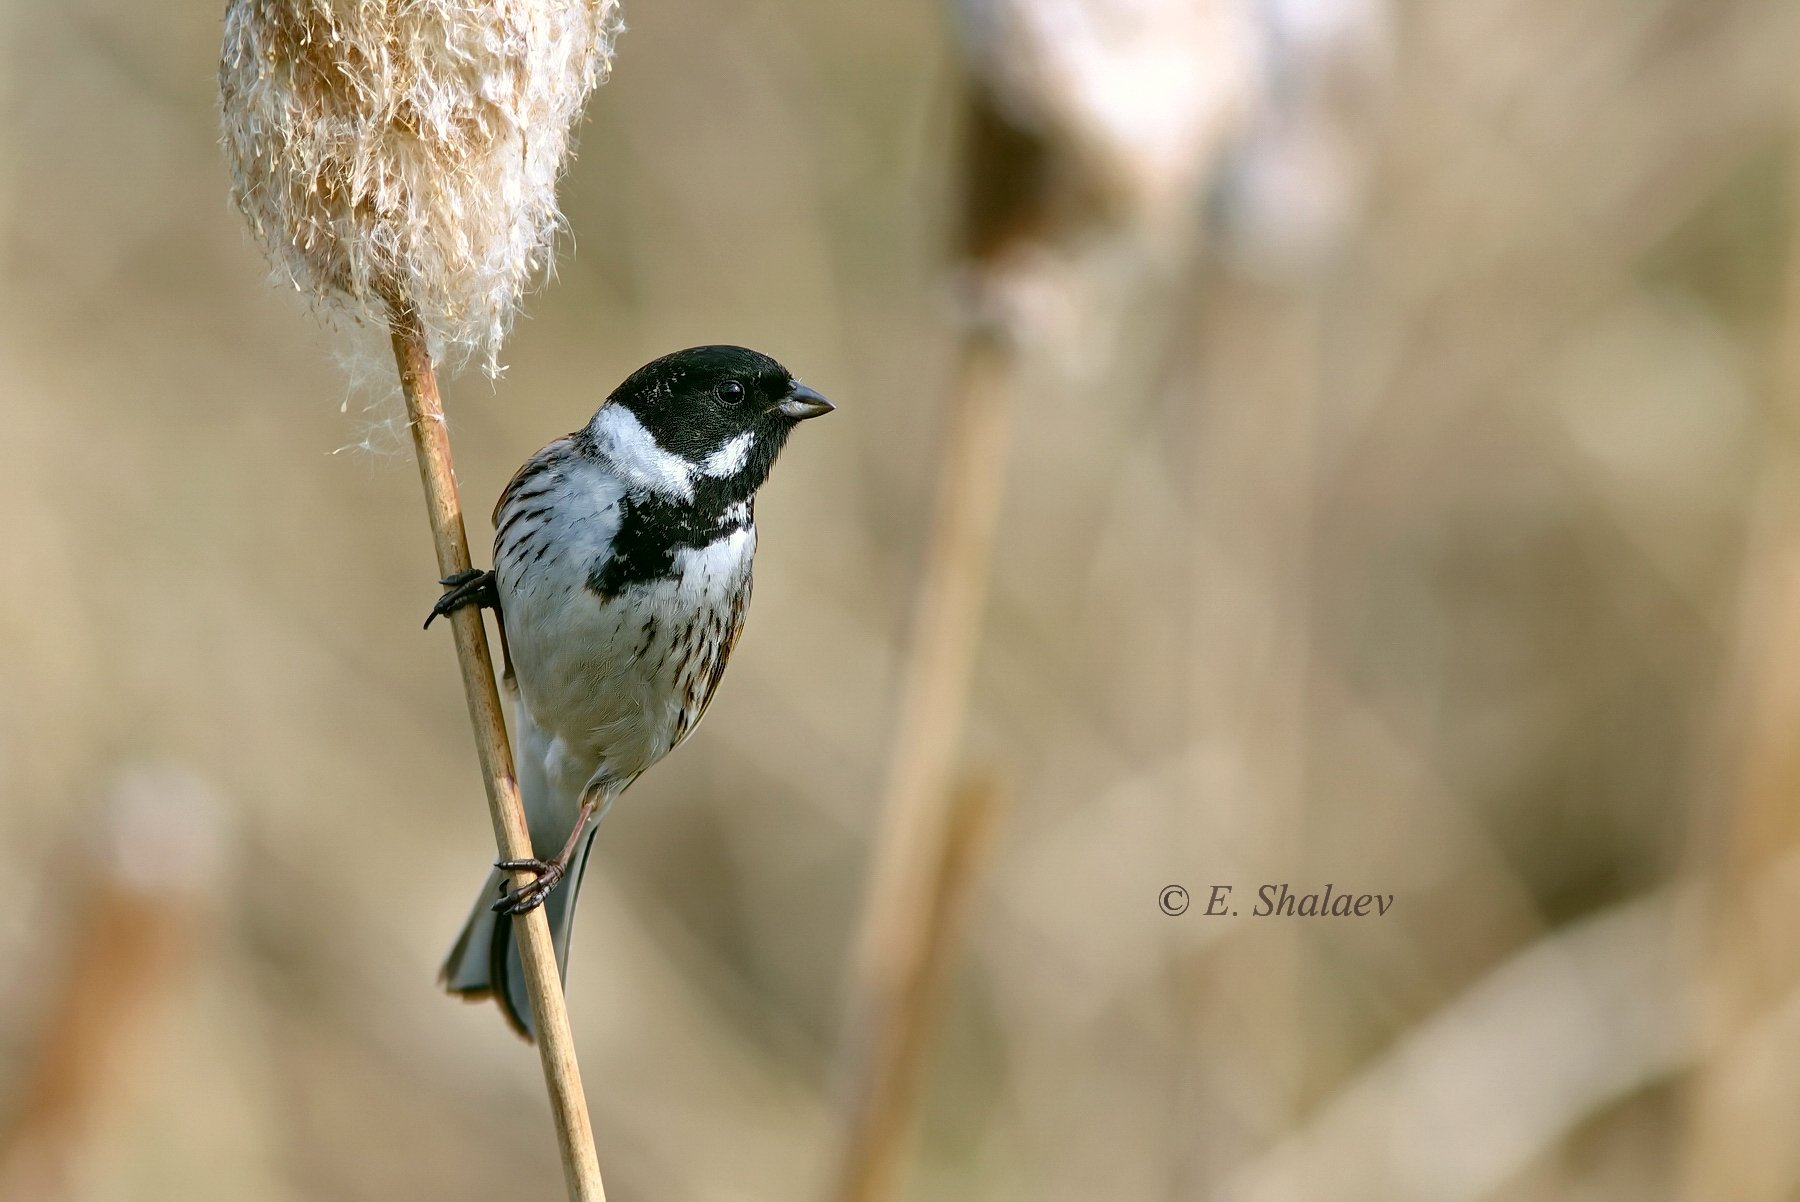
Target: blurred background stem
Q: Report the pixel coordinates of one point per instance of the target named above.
(890, 1077)
(147, 864)
(924, 837)
(1746, 1092)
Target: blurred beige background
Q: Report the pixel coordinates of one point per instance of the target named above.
(1452, 560)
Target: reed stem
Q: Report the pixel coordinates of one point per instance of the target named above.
(555, 1039)
(906, 937)
(893, 1068)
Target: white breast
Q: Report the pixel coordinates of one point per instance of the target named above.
(607, 678)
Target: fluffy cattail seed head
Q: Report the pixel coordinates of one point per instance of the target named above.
(1093, 130)
(1141, 97)
(406, 152)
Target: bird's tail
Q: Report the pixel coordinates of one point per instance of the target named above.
(485, 961)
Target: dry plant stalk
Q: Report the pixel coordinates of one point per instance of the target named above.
(145, 891)
(1743, 1097)
(893, 1069)
(1052, 157)
(399, 158)
(556, 1039)
(903, 933)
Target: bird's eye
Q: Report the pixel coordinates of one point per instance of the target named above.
(731, 392)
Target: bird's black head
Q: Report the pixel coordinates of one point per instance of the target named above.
(706, 422)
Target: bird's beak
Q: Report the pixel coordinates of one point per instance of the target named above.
(803, 403)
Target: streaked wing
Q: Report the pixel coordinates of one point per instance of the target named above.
(526, 482)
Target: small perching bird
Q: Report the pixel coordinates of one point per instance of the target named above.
(398, 160)
(622, 558)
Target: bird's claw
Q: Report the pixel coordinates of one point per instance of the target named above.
(529, 896)
(470, 587)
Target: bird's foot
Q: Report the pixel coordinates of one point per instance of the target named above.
(470, 587)
(529, 896)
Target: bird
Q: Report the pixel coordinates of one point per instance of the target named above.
(621, 578)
